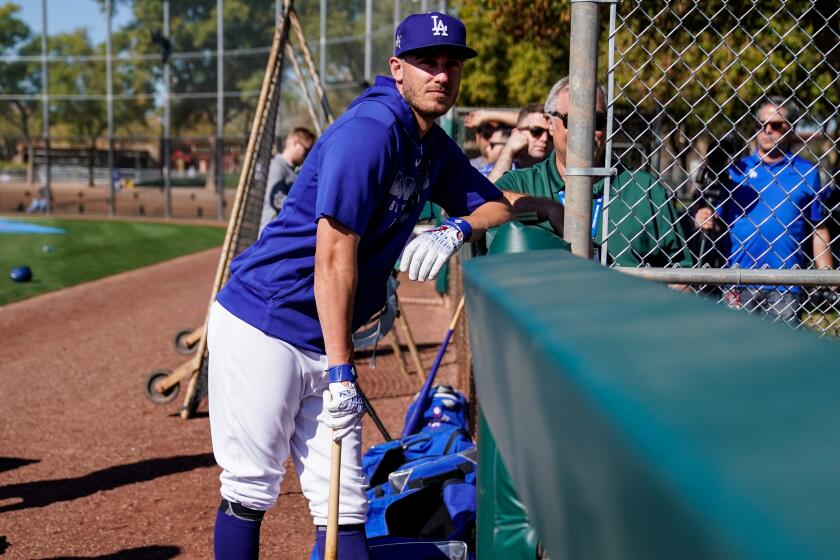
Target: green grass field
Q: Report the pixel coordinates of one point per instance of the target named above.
(92, 249)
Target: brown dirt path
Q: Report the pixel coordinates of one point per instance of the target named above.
(89, 468)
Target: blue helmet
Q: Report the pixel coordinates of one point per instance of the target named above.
(21, 274)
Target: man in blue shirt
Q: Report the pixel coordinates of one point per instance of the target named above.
(776, 202)
(282, 380)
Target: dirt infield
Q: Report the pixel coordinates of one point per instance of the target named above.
(89, 468)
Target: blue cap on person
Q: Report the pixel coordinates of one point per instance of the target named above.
(432, 29)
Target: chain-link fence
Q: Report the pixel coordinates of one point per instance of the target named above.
(169, 97)
(723, 137)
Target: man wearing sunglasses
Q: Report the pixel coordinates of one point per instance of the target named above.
(528, 145)
(644, 229)
(776, 202)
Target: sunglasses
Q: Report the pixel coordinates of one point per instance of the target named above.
(775, 126)
(535, 131)
(600, 119)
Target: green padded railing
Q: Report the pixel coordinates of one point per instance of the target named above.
(638, 422)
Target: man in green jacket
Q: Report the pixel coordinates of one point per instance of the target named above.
(643, 225)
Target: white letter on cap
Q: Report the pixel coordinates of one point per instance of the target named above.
(438, 28)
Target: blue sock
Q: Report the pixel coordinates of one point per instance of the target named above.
(235, 539)
(352, 542)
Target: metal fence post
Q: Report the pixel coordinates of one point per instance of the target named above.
(112, 191)
(45, 101)
(368, 41)
(167, 184)
(583, 71)
(322, 40)
(218, 154)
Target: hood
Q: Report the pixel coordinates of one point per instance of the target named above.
(384, 90)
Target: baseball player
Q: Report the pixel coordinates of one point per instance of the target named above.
(282, 379)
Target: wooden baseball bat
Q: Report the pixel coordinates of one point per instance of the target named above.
(331, 542)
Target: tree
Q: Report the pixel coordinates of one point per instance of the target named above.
(523, 49)
(700, 68)
(16, 77)
(84, 118)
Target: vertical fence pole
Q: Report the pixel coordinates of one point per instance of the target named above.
(278, 12)
(368, 40)
(424, 6)
(583, 71)
(167, 184)
(322, 41)
(112, 192)
(45, 102)
(220, 109)
(397, 17)
(605, 218)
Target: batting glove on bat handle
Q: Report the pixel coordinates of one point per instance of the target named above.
(343, 405)
(426, 254)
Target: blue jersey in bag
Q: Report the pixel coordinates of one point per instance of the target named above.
(371, 172)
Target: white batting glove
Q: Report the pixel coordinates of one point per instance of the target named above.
(426, 254)
(343, 405)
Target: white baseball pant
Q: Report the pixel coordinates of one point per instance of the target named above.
(264, 396)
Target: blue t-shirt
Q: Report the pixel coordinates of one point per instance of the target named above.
(768, 210)
(487, 168)
(371, 172)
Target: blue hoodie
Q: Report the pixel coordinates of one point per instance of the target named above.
(371, 172)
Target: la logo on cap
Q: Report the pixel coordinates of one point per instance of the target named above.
(438, 28)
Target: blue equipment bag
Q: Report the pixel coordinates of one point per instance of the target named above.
(381, 460)
(422, 487)
(447, 407)
(389, 548)
(432, 499)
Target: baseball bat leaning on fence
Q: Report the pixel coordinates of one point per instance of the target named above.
(423, 396)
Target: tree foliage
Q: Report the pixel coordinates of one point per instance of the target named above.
(706, 64)
(523, 48)
(247, 24)
(15, 75)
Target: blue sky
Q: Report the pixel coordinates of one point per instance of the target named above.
(68, 15)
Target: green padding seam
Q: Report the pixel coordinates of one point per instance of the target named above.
(638, 422)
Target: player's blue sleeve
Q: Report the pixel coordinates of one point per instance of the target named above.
(353, 164)
(462, 188)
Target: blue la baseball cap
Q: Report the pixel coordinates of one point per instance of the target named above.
(432, 29)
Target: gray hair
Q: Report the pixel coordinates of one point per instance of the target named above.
(791, 109)
(559, 87)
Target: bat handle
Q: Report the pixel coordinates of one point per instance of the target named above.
(331, 543)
